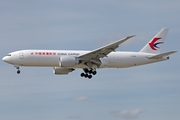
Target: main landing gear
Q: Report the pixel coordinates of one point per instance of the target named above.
(18, 69)
(88, 73)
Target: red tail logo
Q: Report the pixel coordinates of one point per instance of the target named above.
(153, 44)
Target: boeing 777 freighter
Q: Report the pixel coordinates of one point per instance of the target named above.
(65, 61)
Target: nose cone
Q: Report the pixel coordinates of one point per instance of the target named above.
(6, 59)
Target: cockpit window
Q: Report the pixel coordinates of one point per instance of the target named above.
(8, 54)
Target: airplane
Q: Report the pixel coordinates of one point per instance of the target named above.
(66, 61)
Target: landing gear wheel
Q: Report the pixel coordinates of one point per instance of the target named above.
(86, 70)
(18, 72)
(90, 76)
(86, 75)
(94, 72)
(82, 74)
(90, 71)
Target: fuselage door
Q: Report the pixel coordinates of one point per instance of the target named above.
(21, 55)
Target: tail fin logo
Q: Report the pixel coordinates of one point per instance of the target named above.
(154, 44)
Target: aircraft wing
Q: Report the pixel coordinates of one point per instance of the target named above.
(103, 51)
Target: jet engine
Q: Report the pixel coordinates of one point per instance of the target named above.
(68, 61)
(61, 70)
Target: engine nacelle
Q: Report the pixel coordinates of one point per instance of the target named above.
(61, 70)
(68, 61)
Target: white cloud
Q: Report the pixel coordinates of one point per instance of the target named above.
(127, 114)
(83, 98)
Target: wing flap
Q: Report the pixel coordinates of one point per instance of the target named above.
(161, 55)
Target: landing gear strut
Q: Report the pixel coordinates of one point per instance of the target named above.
(88, 73)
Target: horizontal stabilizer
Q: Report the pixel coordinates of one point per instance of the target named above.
(162, 55)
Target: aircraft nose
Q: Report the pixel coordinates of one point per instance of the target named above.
(6, 59)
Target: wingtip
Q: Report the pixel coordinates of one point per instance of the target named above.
(133, 35)
(174, 51)
(130, 36)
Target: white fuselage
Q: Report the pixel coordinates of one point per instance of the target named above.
(66, 61)
(51, 58)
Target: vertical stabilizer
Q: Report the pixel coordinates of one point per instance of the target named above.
(155, 44)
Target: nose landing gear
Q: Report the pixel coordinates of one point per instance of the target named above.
(18, 69)
(18, 72)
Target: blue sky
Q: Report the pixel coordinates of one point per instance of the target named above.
(145, 92)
